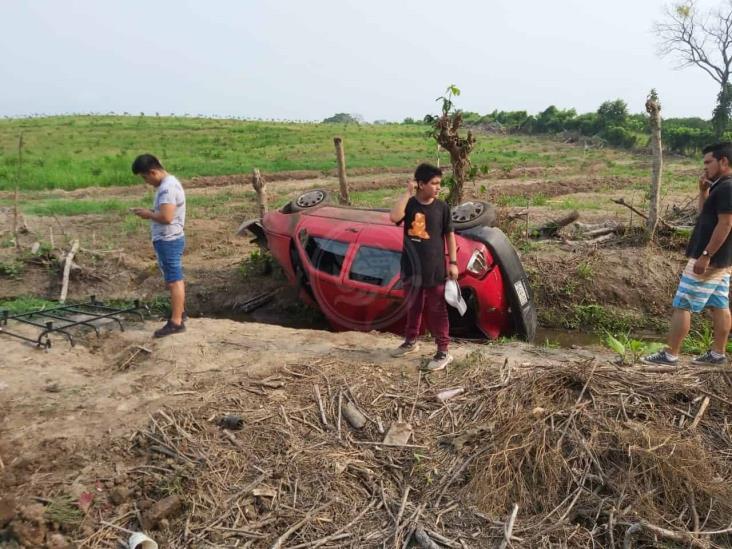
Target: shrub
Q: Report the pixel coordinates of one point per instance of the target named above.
(586, 124)
(620, 137)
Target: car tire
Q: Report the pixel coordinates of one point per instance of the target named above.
(520, 297)
(473, 213)
(310, 199)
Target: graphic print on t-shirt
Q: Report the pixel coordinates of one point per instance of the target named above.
(419, 227)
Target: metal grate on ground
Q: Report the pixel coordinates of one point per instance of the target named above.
(64, 318)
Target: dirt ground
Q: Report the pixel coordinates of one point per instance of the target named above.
(64, 409)
(127, 432)
(119, 263)
(65, 413)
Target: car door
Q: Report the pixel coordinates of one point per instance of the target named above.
(323, 250)
(368, 300)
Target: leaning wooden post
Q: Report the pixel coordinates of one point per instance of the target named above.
(67, 270)
(344, 198)
(260, 187)
(653, 107)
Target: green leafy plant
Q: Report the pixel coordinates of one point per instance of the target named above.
(630, 350)
(596, 317)
(258, 263)
(159, 305)
(700, 341)
(584, 270)
(11, 269)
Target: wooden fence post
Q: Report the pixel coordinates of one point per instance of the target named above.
(344, 198)
(653, 107)
(68, 261)
(260, 187)
(17, 190)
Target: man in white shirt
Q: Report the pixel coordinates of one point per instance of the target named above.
(167, 218)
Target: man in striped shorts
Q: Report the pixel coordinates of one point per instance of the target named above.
(705, 280)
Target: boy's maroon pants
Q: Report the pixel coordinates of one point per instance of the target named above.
(430, 303)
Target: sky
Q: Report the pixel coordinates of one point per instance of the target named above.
(306, 60)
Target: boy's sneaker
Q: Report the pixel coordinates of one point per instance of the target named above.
(406, 348)
(170, 329)
(661, 357)
(710, 358)
(439, 361)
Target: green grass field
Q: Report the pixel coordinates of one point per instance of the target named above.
(71, 152)
(81, 151)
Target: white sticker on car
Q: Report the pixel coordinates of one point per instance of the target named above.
(521, 292)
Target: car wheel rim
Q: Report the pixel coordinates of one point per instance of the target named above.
(467, 211)
(308, 200)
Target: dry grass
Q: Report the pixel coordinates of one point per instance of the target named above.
(587, 453)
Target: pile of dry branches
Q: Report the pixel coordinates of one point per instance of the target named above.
(682, 214)
(573, 454)
(569, 232)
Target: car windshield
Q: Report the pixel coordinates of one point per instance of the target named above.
(375, 266)
(325, 254)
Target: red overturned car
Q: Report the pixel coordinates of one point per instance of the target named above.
(346, 262)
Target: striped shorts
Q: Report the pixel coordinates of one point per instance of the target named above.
(710, 290)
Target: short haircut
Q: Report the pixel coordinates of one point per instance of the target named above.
(144, 163)
(720, 150)
(425, 172)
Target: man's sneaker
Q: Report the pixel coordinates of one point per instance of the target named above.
(661, 357)
(184, 316)
(439, 361)
(170, 329)
(710, 359)
(406, 348)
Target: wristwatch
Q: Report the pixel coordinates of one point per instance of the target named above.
(453, 262)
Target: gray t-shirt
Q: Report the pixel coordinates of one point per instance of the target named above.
(170, 191)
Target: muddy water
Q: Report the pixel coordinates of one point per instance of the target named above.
(566, 339)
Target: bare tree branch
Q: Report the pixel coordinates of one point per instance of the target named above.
(694, 39)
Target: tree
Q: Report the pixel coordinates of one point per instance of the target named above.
(703, 40)
(344, 118)
(554, 120)
(721, 113)
(445, 130)
(612, 113)
(653, 108)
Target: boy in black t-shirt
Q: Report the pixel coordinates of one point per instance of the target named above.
(705, 281)
(427, 230)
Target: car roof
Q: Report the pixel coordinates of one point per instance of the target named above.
(357, 215)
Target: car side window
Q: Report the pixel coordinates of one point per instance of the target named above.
(325, 254)
(375, 266)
